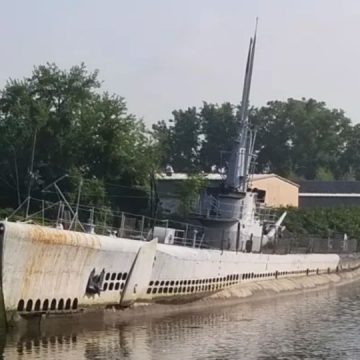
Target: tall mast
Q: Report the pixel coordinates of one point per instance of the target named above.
(242, 154)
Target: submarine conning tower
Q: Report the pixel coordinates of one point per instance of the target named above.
(229, 212)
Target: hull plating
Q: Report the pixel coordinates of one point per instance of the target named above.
(46, 270)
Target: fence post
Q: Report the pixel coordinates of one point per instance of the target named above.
(185, 234)
(43, 211)
(222, 240)
(122, 225)
(104, 226)
(142, 227)
(194, 238)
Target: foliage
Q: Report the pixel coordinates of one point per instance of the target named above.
(302, 136)
(88, 134)
(350, 159)
(219, 124)
(324, 174)
(180, 140)
(4, 213)
(79, 131)
(324, 222)
(300, 139)
(189, 191)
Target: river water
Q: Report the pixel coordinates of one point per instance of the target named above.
(316, 325)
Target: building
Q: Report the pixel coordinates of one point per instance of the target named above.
(314, 193)
(278, 190)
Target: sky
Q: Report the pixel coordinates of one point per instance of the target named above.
(162, 55)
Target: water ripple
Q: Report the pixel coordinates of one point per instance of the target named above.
(320, 325)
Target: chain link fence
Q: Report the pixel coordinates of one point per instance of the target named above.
(301, 243)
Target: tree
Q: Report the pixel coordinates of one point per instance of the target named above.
(79, 131)
(189, 191)
(274, 133)
(349, 163)
(162, 134)
(181, 139)
(301, 137)
(296, 138)
(219, 125)
(197, 139)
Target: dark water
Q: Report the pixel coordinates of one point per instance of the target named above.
(321, 325)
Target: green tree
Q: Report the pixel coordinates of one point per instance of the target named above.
(181, 140)
(189, 191)
(299, 139)
(162, 135)
(219, 125)
(349, 163)
(324, 222)
(79, 131)
(301, 136)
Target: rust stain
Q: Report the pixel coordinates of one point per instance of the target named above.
(59, 251)
(62, 237)
(37, 273)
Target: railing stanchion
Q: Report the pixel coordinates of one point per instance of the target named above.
(122, 224)
(185, 234)
(43, 211)
(142, 227)
(194, 238)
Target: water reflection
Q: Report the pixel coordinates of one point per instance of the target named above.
(321, 325)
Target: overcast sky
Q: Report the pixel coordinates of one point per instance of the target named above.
(163, 55)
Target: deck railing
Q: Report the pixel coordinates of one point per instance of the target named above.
(140, 227)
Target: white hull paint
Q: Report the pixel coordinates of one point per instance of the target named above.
(46, 270)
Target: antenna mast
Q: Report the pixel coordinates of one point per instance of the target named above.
(242, 153)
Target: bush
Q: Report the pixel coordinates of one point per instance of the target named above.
(324, 222)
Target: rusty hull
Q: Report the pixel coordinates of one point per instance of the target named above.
(42, 263)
